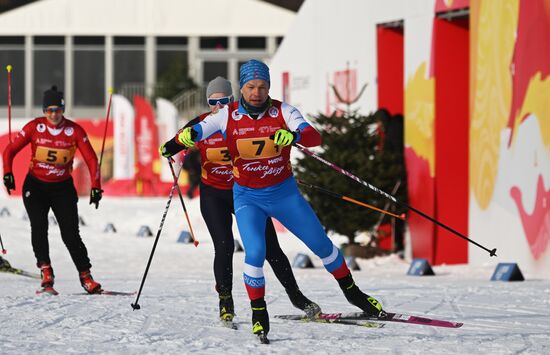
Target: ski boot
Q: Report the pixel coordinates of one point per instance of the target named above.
(47, 275)
(88, 283)
(303, 303)
(356, 297)
(46, 284)
(260, 318)
(227, 309)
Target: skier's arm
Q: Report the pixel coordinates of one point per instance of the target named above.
(174, 146)
(303, 132)
(211, 124)
(216, 122)
(21, 140)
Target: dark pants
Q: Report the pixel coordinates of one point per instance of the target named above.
(216, 209)
(39, 197)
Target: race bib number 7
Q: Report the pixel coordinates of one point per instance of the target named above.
(54, 155)
(257, 148)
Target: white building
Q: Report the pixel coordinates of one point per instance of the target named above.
(86, 46)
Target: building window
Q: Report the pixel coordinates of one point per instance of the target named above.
(48, 65)
(172, 67)
(89, 71)
(129, 65)
(251, 42)
(172, 41)
(219, 43)
(49, 40)
(212, 70)
(12, 52)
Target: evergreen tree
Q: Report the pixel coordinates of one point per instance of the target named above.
(173, 80)
(353, 143)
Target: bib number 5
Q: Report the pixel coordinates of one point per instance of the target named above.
(53, 156)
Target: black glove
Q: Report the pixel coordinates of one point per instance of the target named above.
(170, 148)
(95, 196)
(9, 182)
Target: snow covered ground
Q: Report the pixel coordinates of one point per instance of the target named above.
(179, 304)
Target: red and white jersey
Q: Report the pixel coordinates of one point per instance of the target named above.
(53, 149)
(257, 161)
(216, 168)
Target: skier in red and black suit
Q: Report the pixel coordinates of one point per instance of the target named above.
(216, 201)
(49, 185)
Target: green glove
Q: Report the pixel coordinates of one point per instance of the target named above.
(164, 152)
(185, 137)
(284, 137)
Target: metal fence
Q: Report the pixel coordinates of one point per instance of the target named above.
(189, 103)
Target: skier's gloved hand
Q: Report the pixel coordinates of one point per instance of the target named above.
(284, 137)
(9, 182)
(95, 196)
(164, 152)
(186, 137)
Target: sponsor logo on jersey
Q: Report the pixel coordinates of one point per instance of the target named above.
(243, 131)
(273, 112)
(40, 128)
(62, 144)
(69, 131)
(265, 129)
(212, 141)
(236, 115)
(222, 170)
(266, 170)
(44, 141)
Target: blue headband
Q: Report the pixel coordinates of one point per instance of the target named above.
(253, 69)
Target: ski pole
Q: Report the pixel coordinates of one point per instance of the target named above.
(106, 124)
(4, 251)
(387, 205)
(9, 68)
(170, 161)
(349, 199)
(392, 198)
(136, 305)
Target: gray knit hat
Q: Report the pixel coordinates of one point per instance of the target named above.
(219, 84)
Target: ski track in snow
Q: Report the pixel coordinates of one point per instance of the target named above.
(179, 305)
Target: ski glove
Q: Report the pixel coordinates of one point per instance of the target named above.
(95, 196)
(9, 182)
(284, 137)
(186, 137)
(164, 152)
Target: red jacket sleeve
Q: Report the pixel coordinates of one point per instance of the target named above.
(21, 140)
(309, 137)
(89, 156)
